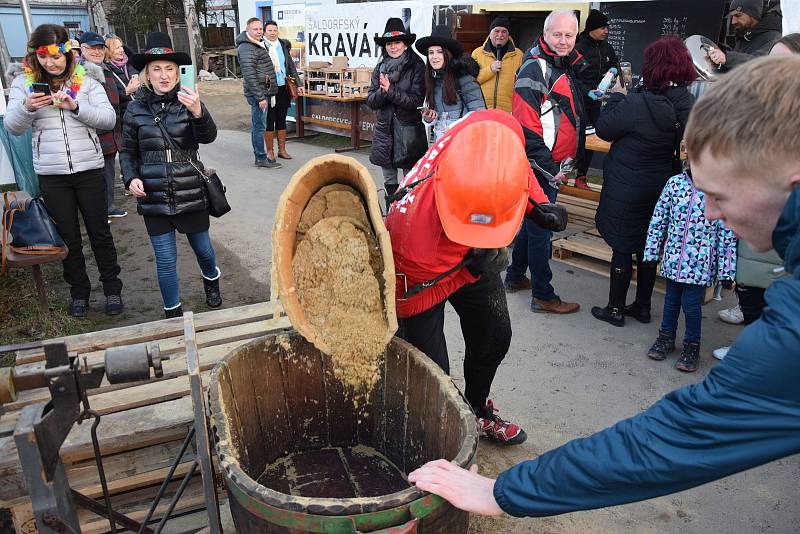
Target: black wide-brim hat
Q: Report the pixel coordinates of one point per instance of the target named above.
(158, 47)
(440, 36)
(395, 30)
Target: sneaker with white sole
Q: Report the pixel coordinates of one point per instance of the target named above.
(116, 213)
(720, 353)
(499, 430)
(731, 315)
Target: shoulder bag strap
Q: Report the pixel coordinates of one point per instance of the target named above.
(174, 146)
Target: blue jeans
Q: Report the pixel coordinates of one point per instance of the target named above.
(258, 125)
(690, 298)
(166, 251)
(532, 250)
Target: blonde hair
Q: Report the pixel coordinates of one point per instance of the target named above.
(751, 117)
(112, 43)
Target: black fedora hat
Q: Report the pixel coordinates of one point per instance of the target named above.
(440, 36)
(395, 30)
(158, 47)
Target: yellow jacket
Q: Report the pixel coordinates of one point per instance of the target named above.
(508, 74)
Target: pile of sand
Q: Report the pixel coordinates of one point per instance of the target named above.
(337, 270)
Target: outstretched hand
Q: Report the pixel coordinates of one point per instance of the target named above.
(464, 489)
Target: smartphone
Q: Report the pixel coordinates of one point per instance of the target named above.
(186, 76)
(627, 74)
(41, 88)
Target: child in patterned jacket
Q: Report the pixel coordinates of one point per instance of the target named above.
(697, 253)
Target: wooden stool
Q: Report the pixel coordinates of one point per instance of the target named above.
(16, 260)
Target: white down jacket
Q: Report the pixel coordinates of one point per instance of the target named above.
(63, 142)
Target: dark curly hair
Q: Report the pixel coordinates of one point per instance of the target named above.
(45, 35)
(666, 62)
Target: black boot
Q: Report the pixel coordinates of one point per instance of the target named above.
(617, 290)
(174, 312)
(391, 189)
(689, 357)
(663, 345)
(645, 281)
(213, 297)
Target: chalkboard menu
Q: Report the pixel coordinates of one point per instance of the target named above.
(634, 25)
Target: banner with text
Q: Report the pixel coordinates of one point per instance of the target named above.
(349, 29)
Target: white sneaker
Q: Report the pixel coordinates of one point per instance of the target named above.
(720, 353)
(731, 315)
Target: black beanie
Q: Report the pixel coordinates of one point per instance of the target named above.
(500, 21)
(595, 20)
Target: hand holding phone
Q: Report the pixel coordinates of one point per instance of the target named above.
(186, 77)
(191, 99)
(39, 98)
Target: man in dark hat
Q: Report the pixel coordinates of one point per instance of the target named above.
(499, 60)
(593, 44)
(93, 51)
(756, 32)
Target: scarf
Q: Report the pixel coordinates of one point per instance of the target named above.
(256, 42)
(392, 67)
(121, 63)
(272, 48)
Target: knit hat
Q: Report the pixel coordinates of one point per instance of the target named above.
(500, 21)
(754, 8)
(595, 20)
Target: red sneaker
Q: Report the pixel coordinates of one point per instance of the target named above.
(580, 183)
(499, 430)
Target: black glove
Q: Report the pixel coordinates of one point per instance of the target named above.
(487, 260)
(549, 216)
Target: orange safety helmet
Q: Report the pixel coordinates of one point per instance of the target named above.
(481, 185)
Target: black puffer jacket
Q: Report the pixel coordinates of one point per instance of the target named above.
(402, 99)
(600, 57)
(256, 68)
(172, 185)
(642, 129)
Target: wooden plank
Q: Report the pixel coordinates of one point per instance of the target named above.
(342, 420)
(575, 192)
(145, 332)
(173, 368)
(394, 406)
(302, 375)
(118, 432)
(23, 518)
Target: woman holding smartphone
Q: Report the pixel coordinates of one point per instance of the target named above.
(64, 105)
(125, 76)
(156, 168)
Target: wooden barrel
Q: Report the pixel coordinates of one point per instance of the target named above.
(299, 455)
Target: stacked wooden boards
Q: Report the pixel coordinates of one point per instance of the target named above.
(143, 424)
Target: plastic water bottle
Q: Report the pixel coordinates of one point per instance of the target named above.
(605, 84)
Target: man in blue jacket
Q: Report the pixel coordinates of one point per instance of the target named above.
(745, 152)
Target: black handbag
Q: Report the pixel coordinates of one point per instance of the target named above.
(215, 188)
(409, 143)
(28, 227)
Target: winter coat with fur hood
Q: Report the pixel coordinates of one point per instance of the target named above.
(64, 142)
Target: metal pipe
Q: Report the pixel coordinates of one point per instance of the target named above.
(167, 480)
(177, 496)
(26, 17)
(100, 470)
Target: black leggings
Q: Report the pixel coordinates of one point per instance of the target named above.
(276, 117)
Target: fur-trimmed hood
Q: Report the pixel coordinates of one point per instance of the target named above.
(466, 66)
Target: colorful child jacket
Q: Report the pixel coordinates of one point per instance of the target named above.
(696, 250)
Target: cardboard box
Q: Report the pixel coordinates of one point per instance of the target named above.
(339, 62)
(318, 65)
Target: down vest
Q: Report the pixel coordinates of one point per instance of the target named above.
(64, 142)
(402, 99)
(696, 250)
(172, 184)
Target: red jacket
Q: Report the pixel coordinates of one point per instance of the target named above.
(421, 249)
(548, 104)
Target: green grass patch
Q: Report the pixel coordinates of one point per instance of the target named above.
(21, 319)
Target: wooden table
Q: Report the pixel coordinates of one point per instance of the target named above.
(355, 118)
(595, 144)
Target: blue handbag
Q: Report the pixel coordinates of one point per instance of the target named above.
(28, 227)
